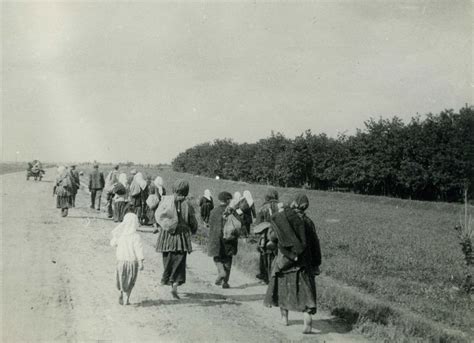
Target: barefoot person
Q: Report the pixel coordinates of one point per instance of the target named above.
(292, 286)
(219, 249)
(96, 185)
(129, 255)
(63, 190)
(177, 222)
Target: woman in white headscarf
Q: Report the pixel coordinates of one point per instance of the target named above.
(129, 255)
(247, 207)
(63, 190)
(138, 196)
(206, 204)
(156, 191)
(120, 191)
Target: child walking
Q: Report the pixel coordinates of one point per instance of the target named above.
(129, 255)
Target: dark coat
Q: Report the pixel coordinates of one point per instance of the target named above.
(216, 245)
(76, 182)
(96, 180)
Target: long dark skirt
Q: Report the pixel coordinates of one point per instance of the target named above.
(294, 291)
(265, 266)
(174, 265)
(150, 216)
(120, 208)
(63, 201)
(127, 272)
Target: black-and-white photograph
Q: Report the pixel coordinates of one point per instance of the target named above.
(237, 171)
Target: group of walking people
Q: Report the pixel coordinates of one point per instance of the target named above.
(288, 244)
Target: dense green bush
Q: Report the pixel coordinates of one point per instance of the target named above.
(425, 159)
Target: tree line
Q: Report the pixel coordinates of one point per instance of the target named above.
(429, 158)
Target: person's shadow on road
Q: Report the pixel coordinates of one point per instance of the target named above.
(202, 299)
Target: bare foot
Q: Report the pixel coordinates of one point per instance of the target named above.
(120, 299)
(284, 316)
(308, 321)
(174, 291)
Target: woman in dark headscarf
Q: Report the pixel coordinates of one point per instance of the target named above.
(176, 244)
(292, 286)
(63, 190)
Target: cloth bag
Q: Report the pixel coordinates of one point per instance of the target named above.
(152, 201)
(231, 228)
(166, 215)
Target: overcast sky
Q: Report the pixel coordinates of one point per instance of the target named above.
(142, 82)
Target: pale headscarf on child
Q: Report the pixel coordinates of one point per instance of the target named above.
(248, 197)
(207, 194)
(159, 184)
(128, 226)
(138, 178)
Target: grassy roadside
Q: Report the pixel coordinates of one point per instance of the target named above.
(390, 266)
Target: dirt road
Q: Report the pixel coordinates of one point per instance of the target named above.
(58, 283)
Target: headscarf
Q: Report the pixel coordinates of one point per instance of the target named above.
(272, 194)
(236, 199)
(159, 184)
(123, 179)
(138, 178)
(224, 196)
(181, 187)
(300, 203)
(248, 197)
(128, 226)
(111, 179)
(207, 194)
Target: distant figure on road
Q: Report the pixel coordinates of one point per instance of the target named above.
(177, 221)
(219, 249)
(292, 286)
(129, 255)
(76, 183)
(138, 196)
(155, 192)
(265, 247)
(110, 181)
(96, 185)
(206, 203)
(120, 200)
(248, 213)
(63, 190)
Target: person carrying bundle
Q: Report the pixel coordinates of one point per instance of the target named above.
(265, 246)
(177, 221)
(292, 284)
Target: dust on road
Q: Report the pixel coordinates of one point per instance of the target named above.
(58, 284)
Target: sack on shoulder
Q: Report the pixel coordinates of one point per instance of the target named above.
(152, 201)
(231, 228)
(135, 189)
(166, 215)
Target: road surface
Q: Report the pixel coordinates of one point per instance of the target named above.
(58, 284)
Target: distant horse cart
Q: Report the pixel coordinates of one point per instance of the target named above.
(34, 170)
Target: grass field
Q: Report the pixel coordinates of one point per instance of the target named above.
(400, 259)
